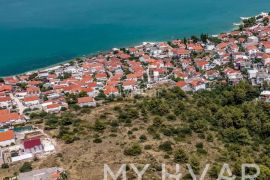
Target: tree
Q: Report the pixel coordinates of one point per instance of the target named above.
(204, 37)
(100, 96)
(32, 76)
(22, 85)
(199, 126)
(195, 39)
(215, 40)
(65, 75)
(185, 41)
(249, 22)
(26, 167)
(157, 106)
(241, 27)
(71, 98)
(265, 21)
(240, 136)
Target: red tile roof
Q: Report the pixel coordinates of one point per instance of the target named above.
(129, 83)
(34, 83)
(4, 111)
(6, 117)
(266, 56)
(28, 144)
(201, 63)
(181, 83)
(52, 106)
(5, 88)
(7, 135)
(85, 100)
(5, 99)
(110, 90)
(181, 51)
(30, 98)
(33, 89)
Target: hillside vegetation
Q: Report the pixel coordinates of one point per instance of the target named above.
(224, 125)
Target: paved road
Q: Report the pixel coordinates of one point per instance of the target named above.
(19, 104)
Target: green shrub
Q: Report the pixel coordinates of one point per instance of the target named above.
(148, 147)
(199, 145)
(97, 140)
(195, 164)
(5, 166)
(114, 124)
(99, 126)
(157, 122)
(26, 167)
(210, 137)
(133, 150)
(143, 138)
(201, 151)
(171, 117)
(180, 156)
(166, 146)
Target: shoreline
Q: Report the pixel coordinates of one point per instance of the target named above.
(234, 27)
(53, 65)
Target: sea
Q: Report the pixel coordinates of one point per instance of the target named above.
(36, 33)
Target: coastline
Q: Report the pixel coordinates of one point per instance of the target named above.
(53, 65)
(234, 27)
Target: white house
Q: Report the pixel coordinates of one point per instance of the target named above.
(198, 85)
(48, 145)
(31, 101)
(252, 40)
(7, 118)
(266, 47)
(233, 76)
(265, 95)
(183, 85)
(21, 95)
(252, 73)
(266, 58)
(86, 101)
(129, 85)
(5, 102)
(53, 108)
(71, 69)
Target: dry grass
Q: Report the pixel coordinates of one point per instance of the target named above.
(85, 159)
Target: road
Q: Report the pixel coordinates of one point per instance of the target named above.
(19, 104)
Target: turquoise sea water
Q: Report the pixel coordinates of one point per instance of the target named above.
(38, 33)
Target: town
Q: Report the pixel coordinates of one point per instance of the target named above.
(192, 64)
